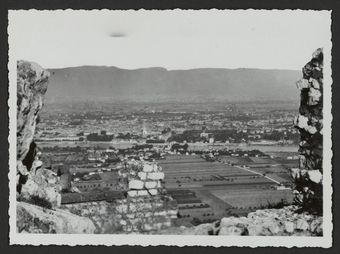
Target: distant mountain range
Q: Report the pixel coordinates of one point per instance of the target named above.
(157, 84)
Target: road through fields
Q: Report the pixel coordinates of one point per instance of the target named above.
(252, 171)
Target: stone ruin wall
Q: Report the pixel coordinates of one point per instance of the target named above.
(309, 122)
(146, 209)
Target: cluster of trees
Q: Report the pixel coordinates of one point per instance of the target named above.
(276, 136)
(179, 147)
(219, 135)
(99, 137)
(128, 135)
(231, 135)
(63, 149)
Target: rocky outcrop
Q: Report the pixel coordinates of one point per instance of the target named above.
(267, 222)
(38, 189)
(32, 180)
(36, 219)
(308, 177)
(31, 87)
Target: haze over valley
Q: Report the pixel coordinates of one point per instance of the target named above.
(159, 84)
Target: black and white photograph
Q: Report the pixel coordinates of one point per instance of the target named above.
(170, 127)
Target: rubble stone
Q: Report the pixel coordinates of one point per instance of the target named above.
(267, 222)
(289, 226)
(35, 219)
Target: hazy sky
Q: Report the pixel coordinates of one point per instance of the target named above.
(170, 39)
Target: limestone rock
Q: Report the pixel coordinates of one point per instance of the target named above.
(142, 175)
(142, 193)
(301, 225)
(302, 84)
(31, 87)
(153, 192)
(314, 96)
(315, 176)
(41, 184)
(289, 226)
(155, 176)
(301, 122)
(267, 222)
(148, 168)
(35, 219)
(132, 193)
(136, 185)
(150, 184)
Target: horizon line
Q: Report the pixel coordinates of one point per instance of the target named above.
(170, 69)
(160, 67)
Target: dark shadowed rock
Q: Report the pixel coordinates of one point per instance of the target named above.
(308, 177)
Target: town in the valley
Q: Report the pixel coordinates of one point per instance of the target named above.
(214, 159)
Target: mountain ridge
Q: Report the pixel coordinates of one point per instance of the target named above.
(158, 83)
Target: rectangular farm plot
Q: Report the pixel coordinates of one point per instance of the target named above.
(252, 198)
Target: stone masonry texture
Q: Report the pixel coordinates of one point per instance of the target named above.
(309, 122)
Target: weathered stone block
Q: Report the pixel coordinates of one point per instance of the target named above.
(151, 184)
(302, 225)
(301, 121)
(314, 96)
(289, 226)
(155, 176)
(231, 230)
(303, 84)
(315, 176)
(142, 175)
(315, 83)
(153, 192)
(148, 168)
(142, 193)
(136, 185)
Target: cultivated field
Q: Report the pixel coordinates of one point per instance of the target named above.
(251, 198)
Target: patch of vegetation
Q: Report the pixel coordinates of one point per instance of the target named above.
(282, 203)
(36, 200)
